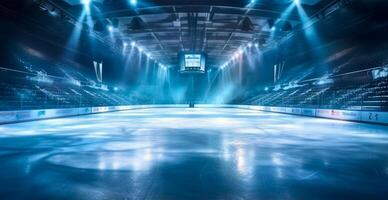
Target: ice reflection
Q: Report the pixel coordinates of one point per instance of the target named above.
(277, 159)
(241, 156)
(139, 160)
(182, 150)
(245, 161)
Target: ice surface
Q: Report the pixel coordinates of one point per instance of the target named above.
(193, 154)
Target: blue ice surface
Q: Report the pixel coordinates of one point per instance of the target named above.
(200, 153)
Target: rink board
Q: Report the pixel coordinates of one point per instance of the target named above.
(349, 115)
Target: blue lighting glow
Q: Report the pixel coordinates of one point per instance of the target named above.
(110, 28)
(133, 2)
(240, 52)
(86, 2)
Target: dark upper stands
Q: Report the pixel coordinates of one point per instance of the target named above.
(36, 86)
(372, 95)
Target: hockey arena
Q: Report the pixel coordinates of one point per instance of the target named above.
(207, 100)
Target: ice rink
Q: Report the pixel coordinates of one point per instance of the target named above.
(175, 153)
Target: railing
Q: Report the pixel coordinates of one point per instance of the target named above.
(371, 96)
(26, 97)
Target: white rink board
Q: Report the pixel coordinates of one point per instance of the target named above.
(360, 116)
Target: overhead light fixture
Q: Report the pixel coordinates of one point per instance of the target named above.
(133, 2)
(86, 2)
(110, 28)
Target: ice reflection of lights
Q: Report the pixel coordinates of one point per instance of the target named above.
(226, 153)
(101, 163)
(245, 164)
(240, 159)
(140, 160)
(118, 162)
(277, 159)
(148, 155)
(119, 146)
(278, 162)
(248, 131)
(279, 172)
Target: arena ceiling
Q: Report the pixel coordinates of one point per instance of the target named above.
(163, 28)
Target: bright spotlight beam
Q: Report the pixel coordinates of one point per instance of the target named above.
(110, 28)
(133, 2)
(86, 2)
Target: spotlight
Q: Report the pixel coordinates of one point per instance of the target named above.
(253, 1)
(110, 28)
(133, 2)
(53, 12)
(250, 44)
(140, 49)
(273, 28)
(297, 2)
(86, 2)
(125, 44)
(133, 43)
(148, 55)
(257, 45)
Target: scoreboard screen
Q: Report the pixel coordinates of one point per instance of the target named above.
(192, 62)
